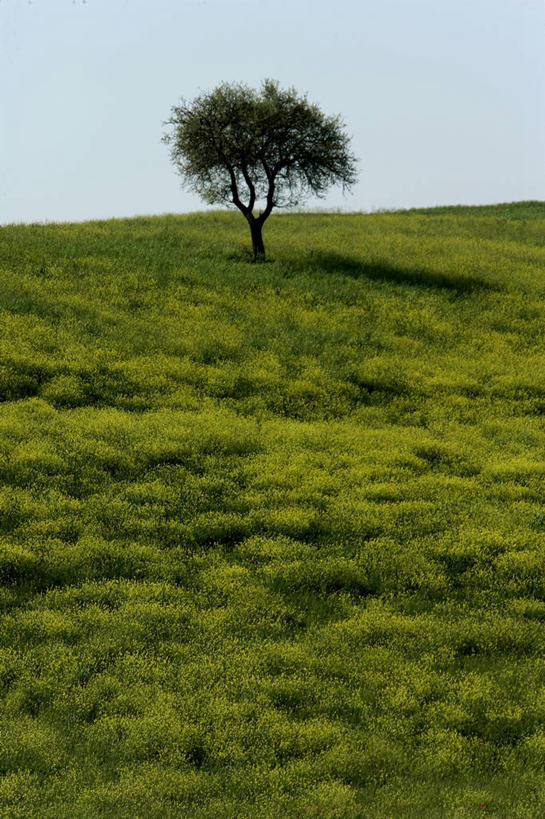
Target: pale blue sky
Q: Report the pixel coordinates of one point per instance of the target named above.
(445, 99)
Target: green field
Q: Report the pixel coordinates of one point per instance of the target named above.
(272, 537)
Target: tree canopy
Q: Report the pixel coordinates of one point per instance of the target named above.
(239, 146)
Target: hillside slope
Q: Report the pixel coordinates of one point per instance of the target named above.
(272, 537)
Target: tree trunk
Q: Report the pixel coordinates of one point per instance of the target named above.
(256, 228)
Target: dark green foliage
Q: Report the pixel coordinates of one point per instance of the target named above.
(272, 539)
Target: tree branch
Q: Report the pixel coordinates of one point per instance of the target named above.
(251, 186)
(234, 190)
(271, 175)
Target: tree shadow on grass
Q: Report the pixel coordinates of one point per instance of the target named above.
(331, 263)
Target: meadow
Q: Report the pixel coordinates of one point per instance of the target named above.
(272, 537)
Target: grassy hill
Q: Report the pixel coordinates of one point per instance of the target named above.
(272, 537)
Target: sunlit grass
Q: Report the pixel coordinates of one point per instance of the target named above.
(272, 537)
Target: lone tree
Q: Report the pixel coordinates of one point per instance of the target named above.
(238, 146)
